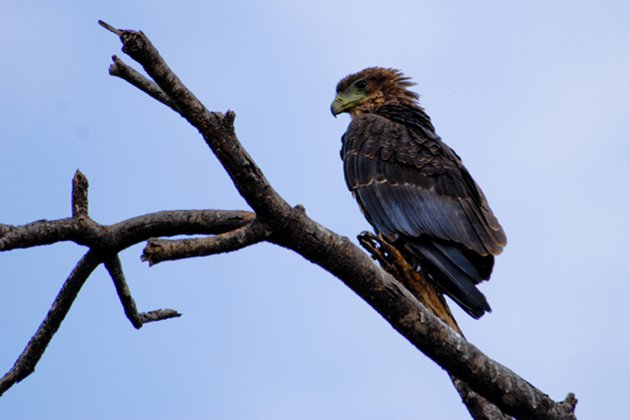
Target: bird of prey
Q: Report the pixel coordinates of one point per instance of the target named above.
(413, 188)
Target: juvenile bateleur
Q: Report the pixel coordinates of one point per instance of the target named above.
(413, 189)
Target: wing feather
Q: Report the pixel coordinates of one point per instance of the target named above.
(418, 191)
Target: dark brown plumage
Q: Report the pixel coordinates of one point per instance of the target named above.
(413, 189)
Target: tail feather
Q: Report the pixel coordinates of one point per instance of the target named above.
(453, 272)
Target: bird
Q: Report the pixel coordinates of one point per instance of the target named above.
(414, 189)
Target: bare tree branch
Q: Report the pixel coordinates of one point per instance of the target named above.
(478, 407)
(122, 70)
(158, 250)
(110, 28)
(137, 319)
(393, 262)
(79, 195)
(216, 128)
(488, 388)
(158, 315)
(124, 234)
(105, 242)
(114, 268)
(293, 229)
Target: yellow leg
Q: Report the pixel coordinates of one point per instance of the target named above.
(421, 286)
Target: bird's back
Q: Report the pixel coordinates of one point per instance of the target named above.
(417, 194)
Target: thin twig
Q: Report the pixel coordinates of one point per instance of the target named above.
(127, 73)
(137, 319)
(114, 268)
(110, 27)
(158, 250)
(79, 195)
(158, 315)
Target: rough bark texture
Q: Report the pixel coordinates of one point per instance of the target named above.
(489, 390)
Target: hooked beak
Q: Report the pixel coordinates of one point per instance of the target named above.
(337, 106)
(346, 101)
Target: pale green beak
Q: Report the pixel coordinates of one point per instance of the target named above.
(345, 101)
(337, 106)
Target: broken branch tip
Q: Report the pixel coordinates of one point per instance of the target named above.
(110, 27)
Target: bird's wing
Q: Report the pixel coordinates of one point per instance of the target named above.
(408, 183)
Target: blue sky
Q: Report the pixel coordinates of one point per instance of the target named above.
(534, 96)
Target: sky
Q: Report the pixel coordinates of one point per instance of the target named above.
(534, 96)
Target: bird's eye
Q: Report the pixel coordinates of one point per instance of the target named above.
(361, 84)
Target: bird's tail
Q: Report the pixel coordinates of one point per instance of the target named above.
(454, 274)
(420, 285)
(425, 291)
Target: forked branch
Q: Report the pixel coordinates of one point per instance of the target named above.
(104, 243)
(291, 228)
(488, 388)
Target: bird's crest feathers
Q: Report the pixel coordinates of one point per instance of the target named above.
(384, 86)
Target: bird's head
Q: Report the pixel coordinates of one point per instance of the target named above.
(371, 88)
